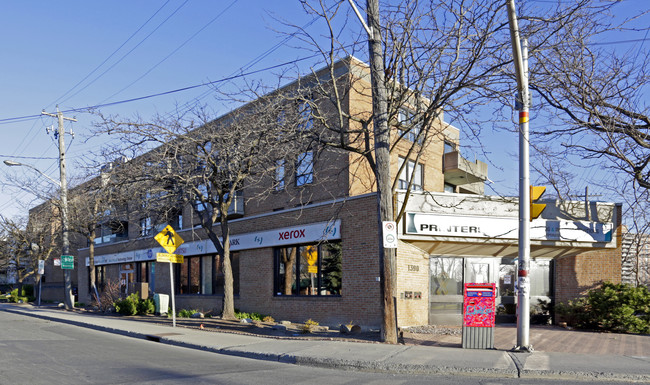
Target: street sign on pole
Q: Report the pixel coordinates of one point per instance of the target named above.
(169, 239)
(390, 234)
(67, 262)
(41, 267)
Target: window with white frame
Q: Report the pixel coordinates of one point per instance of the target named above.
(410, 171)
(305, 168)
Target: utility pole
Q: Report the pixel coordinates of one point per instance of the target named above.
(520, 58)
(387, 264)
(387, 256)
(65, 242)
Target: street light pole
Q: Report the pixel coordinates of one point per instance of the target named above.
(520, 58)
(65, 242)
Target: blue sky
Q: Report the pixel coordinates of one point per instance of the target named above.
(137, 48)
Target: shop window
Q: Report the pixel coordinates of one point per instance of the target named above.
(203, 275)
(446, 276)
(305, 168)
(100, 278)
(308, 270)
(410, 171)
(143, 272)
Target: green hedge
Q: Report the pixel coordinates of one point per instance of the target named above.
(614, 307)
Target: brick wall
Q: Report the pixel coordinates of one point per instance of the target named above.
(576, 275)
(412, 278)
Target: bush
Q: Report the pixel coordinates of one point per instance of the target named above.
(309, 326)
(127, 306)
(146, 306)
(133, 305)
(15, 298)
(185, 313)
(253, 316)
(613, 307)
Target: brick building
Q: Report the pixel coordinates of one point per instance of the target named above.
(318, 259)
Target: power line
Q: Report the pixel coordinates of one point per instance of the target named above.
(131, 50)
(110, 56)
(174, 51)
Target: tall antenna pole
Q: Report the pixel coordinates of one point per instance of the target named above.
(65, 242)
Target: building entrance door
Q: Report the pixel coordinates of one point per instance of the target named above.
(448, 274)
(127, 275)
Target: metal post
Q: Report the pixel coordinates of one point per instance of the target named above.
(520, 58)
(523, 297)
(171, 294)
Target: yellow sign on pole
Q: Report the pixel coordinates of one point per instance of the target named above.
(165, 257)
(169, 239)
(311, 255)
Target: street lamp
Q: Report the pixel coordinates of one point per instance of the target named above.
(65, 243)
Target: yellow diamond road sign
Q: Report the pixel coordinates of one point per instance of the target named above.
(168, 239)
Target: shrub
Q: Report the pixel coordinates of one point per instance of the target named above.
(128, 305)
(28, 290)
(146, 306)
(14, 297)
(253, 316)
(268, 318)
(184, 313)
(614, 307)
(309, 326)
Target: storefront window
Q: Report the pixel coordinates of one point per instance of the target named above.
(539, 278)
(204, 275)
(308, 270)
(446, 276)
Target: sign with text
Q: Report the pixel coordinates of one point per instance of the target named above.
(313, 232)
(169, 239)
(166, 257)
(67, 262)
(506, 228)
(41, 267)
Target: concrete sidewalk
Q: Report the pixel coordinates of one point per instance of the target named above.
(377, 357)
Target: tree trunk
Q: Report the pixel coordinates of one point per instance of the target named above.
(91, 259)
(228, 310)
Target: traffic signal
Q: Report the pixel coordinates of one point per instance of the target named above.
(536, 208)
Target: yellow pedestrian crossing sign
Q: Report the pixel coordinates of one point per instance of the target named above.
(168, 239)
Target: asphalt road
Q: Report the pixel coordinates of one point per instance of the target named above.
(35, 351)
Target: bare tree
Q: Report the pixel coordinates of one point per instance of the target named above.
(23, 245)
(594, 93)
(93, 204)
(210, 164)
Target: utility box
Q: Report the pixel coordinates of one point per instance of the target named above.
(161, 302)
(479, 305)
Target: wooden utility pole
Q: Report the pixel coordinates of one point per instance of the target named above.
(65, 242)
(382, 172)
